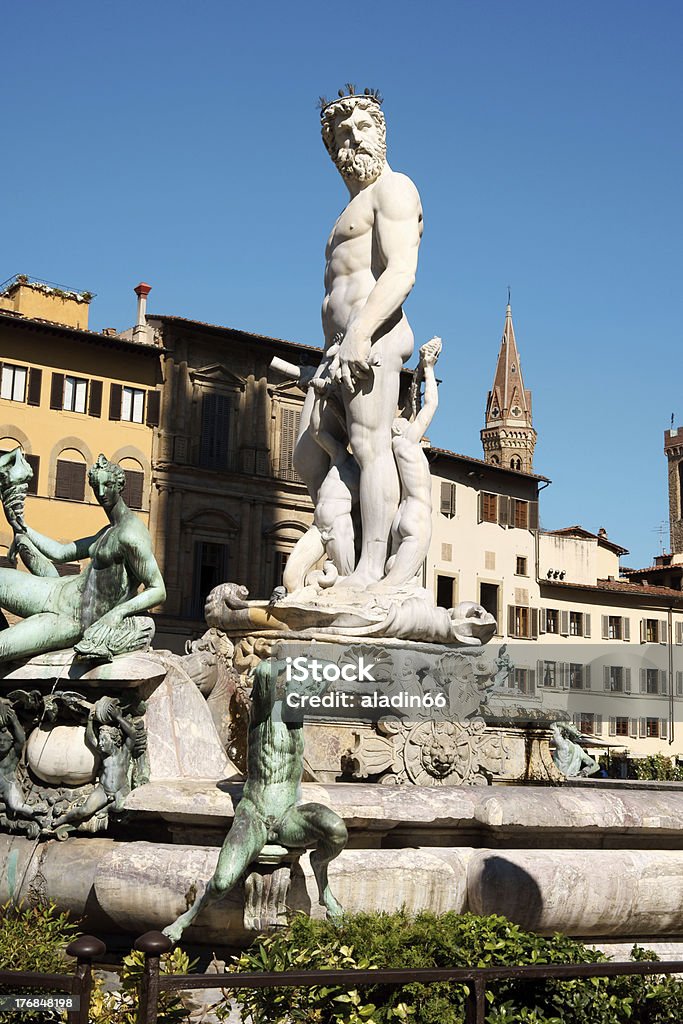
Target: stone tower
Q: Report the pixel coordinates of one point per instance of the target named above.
(673, 449)
(508, 437)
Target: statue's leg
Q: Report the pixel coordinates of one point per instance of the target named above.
(319, 826)
(42, 632)
(244, 841)
(370, 412)
(26, 595)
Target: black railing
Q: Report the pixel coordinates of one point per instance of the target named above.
(78, 985)
(475, 979)
(153, 945)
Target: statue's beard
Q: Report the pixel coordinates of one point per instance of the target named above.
(365, 165)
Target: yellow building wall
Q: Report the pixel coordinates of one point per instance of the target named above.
(50, 433)
(37, 303)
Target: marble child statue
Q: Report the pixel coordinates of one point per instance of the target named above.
(268, 811)
(95, 612)
(371, 261)
(411, 530)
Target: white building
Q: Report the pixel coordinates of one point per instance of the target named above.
(584, 638)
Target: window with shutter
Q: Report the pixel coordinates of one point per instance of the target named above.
(564, 623)
(115, 394)
(35, 380)
(214, 445)
(70, 480)
(533, 515)
(679, 632)
(153, 408)
(133, 488)
(627, 628)
(75, 394)
(57, 390)
(489, 507)
(679, 684)
(521, 512)
(132, 404)
(663, 681)
(663, 631)
(13, 382)
(627, 680)
(447, 499)
(663, 728)
(95, 398)
(289, 431)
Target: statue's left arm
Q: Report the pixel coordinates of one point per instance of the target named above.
(397, 233)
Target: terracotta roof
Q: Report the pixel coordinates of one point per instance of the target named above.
(250, 335)
(18, 320)
(489, 465)
(653, 568)
(573, 531)
(642, 590)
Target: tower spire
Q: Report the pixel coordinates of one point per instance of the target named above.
(508, 436)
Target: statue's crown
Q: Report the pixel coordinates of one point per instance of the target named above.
(351, 93)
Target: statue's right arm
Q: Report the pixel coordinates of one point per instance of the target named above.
(424, 417)
(57, 552)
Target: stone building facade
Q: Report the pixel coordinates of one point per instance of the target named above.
(227, 501)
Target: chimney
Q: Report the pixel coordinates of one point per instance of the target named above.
(141, 332)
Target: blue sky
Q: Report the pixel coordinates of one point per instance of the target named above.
(178, 143)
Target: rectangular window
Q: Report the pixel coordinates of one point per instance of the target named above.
(587, 723)
(651, 680)
(652, 728)
(75, 392)
(522, 682)
(575, 676)
(445, 597)
(521, 566)
(551, 620)
(447, 500)
(521, 514)
(549, 673)
(210, 569)
(614, 628)
(576, 624)
(13, 382)
(289, 431)
(133, 405)
(651, 631)
(621, 726)
(214, 443)
(488, 599)
(521, 621)
(616, 679)
(489, 507)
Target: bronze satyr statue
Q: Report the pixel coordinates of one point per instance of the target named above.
(98, 611)
(268, 811)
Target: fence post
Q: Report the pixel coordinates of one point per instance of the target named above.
(475, 1002)
(152, 944)
(85, 948)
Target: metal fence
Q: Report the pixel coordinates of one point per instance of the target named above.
(154, 982)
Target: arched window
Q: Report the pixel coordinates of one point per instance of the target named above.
(133, 491)
(70, 475)
(515, 462)
(495, 461)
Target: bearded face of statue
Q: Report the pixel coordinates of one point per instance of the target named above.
(355, 138)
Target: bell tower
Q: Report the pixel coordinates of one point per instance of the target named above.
(508, 437)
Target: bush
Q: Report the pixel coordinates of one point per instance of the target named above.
(657, 768)
(35, 939)
(452, 940)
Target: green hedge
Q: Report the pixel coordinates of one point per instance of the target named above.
(451, 940)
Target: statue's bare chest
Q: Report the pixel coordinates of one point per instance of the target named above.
(106, 550)
(355, 223)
